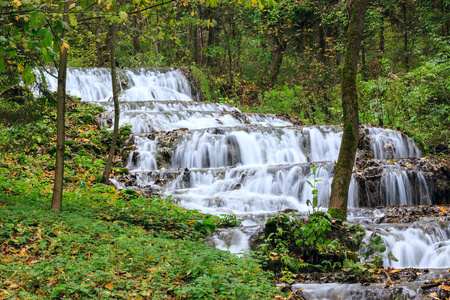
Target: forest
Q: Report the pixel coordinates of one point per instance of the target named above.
(139, 137)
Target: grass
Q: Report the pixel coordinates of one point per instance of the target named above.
(80, 254)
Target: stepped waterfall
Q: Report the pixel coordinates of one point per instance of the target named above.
(214, 158)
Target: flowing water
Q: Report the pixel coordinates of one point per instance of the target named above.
(227, 162)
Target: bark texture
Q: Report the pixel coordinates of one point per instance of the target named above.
(277, 49)
(347, 152)
(60, 123)
(115, 87)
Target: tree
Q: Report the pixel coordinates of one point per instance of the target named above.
(115, 88)
(60, 119)
(280, 25)
(343, 172)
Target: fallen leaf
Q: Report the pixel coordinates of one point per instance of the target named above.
(109, 286)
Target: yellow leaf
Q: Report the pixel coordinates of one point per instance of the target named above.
(72, 5)
(433, 296)
(261, 6)
(209, 23)
(185, 3)
(64, 47)
(109, 286)
(21, 67)
(16, 4)
(192, 14)
(25, 19)
(108, 6)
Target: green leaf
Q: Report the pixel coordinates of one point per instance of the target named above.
(123, 15)
(35, 22)
(391, 256)
(46, 42)
(73, 20)
(377, 244)
(28, 76)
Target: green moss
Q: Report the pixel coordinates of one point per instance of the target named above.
(337, 213)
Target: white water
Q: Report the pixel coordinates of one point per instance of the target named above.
(388, 144)
(416, 245)
(251, 165)
(336, 291)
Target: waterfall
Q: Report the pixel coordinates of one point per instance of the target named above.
(94, 84)
(388, 144)
(416, 245)
(220, 160)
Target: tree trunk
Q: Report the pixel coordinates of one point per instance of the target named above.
(343, 172)
(136, 28)
(115, 88)
(381, 41)
(405, 36)
(99, 47)
(229, 36)
(277, 48)
(60, 123)
(365, 74)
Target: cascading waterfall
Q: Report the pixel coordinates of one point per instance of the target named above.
(416, 245)
(389, 144)
(251, 165)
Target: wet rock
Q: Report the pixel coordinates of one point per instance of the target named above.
(428, 180)
(290, 118)
(164, 157)
(364, 148)
(187, 177)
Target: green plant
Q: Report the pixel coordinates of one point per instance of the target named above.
(229, 221)
(315, 203)
(205, 226)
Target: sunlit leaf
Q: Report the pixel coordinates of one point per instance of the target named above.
(16, 4)
(64, 47)
(73, 20)
(109, 286)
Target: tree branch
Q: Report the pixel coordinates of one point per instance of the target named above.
(150, 7)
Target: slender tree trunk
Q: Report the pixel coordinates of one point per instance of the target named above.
(99, 47)
(343, 172)
(230, 57)
(278, 47)
(363, 62)
(230, 64)
(405, 36)
(60, 123)
(115, 88)
(381, 41)
(136, 26)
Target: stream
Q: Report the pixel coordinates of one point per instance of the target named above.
(216, 159)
